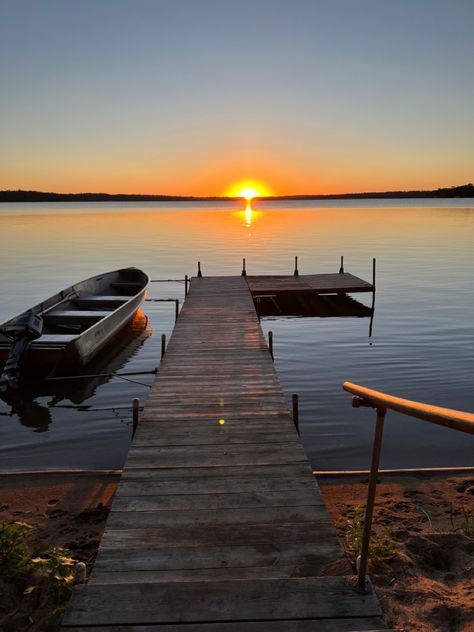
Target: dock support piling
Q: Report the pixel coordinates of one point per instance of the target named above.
(341, 269)
(199, 269)
(363, 584)
(163, 345)
(374, 262)
(296, 273)
(186, 281)
(296, 412)
(270, 344)
(244, 271)
(257, 306)
(176, 309)
(135, 409)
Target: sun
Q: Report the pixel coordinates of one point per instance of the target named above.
(248, 189)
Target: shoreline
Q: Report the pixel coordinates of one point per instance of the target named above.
(426, 586)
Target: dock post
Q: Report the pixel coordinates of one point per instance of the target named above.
(257, 306)
(270, 344)
(199, 269)
(135, 408)
(296, 273)
(186, 281)
(296, 412)
(244, 271)
(363, 584)
(176, 309)
(163, 345)
(374, 261)
(341, 269)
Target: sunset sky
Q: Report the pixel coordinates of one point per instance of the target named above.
(188, 97)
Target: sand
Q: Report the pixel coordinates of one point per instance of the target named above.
(427, 586)
(66, 510)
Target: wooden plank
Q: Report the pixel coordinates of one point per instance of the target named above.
(205, 456)
(359, 624)
(229, 500)
(137, 537)
(238, 516)
(264, 471)
(178, 602)
(200, 575)
(304, 558)
(213, 485)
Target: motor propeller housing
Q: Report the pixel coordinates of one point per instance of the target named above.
(21, 331)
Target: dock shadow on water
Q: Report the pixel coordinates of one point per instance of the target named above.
(313, 305)
(37, 398)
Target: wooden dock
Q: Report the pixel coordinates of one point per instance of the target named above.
(337, 283)
(218, 524)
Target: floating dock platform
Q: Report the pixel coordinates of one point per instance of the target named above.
(218, 524)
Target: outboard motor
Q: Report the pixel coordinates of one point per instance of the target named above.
(21, 331)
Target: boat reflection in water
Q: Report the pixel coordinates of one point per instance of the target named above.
(34, 414)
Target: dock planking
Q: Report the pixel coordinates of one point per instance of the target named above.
(331, 283)
(218, 523)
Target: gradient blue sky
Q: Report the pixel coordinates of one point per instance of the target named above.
(190, 96)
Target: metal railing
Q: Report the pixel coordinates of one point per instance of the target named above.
(454, 419)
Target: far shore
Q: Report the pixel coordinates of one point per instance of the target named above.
(463, 191)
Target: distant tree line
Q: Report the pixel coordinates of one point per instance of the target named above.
(464, 191)
(40, 196)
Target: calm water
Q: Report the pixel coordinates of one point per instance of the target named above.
(422, 345)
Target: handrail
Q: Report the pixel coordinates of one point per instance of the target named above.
(455, 419)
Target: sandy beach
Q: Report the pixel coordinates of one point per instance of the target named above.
(426, 586)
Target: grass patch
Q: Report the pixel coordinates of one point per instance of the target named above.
(382, 545)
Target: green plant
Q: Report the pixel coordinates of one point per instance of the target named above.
(14, 549)
(381, 544)
(59, 569)
(466, 525)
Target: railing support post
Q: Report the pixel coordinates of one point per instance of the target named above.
(186, 281)
(296, 273)
(176, 309)
(296, 412)
(363, 584)
(244, 271)
(163, 345)
(199, 269)
(341, 269)
(270, 344)
(135, 408)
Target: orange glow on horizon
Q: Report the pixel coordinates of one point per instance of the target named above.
(248, 189)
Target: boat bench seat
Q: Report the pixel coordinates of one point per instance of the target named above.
(79, 313)
(101, 301)
(54, 338)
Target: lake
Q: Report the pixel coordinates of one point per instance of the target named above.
(422, 346)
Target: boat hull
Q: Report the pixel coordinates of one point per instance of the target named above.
(64, 353)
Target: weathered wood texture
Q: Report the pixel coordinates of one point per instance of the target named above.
(335, 283)
(218, 523)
